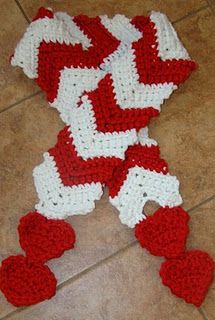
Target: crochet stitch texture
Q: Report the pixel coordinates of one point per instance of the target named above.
(107, 77)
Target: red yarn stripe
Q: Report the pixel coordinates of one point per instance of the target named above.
(138, 155)
(73, 169)
(42, 13)
(53, 57)
(151, 68)
(109, 116)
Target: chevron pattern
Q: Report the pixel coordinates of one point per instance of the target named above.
(107, 77)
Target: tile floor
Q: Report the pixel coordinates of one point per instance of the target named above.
(109, 277)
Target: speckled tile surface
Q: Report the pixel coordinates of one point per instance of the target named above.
(175, 10)
(124, 288)
(185, 128)
(14, 85)
(110, 277)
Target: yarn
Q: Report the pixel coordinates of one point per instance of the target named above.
(24, 282)
(44, 239)
(143, 176)
(164, 233)
(189, 276)
(107, 77)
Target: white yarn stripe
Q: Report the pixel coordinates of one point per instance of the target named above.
(121, 28)
(73, 29)
(144, 139)
(57, 201)
(73, 83)
(140, 186)
(46, 29)
(130, 92)
(169, 45)
(89, 142)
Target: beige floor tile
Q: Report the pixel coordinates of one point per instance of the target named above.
(99, 235)
(5, 307)
(185, 134)
(185, 128)
(175, 9)
(28, 130)
(209, 305)
(14, 85)
(127, 287)
(202, 231)
(212, 4)
(202, 236)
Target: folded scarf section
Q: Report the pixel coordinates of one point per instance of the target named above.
(107, 77)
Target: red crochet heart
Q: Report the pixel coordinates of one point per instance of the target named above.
(165, 232)
(190, 276)
(43, 239)
(24, 283)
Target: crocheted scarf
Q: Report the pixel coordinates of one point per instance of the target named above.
(107, 77)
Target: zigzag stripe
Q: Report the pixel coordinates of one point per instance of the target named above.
(58, 201)
(107, 77)
(142, 177)
(143, 185)
(89, 142)
(46, 27)
(110, 117)
(73, 170)
(68, 185)
(159, 55)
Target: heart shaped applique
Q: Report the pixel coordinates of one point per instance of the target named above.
(190, 276)
(43, 239)
(25, 283)
(165, 232)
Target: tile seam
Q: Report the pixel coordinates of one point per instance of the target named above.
(20, 101)
(22, 11)
(100, 263)
(211, 6)
(133, 243)
(203, 313)
(190, 14)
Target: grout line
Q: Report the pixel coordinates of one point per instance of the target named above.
(211, 5)
(76, 277)
(102, 262)
(22, 10)
(133, 243)
(203, 314)
(208, 5)
(34, 94)
(201, 203)
(97, 264)
(20, 101)
(16, 311)
(192, 13)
